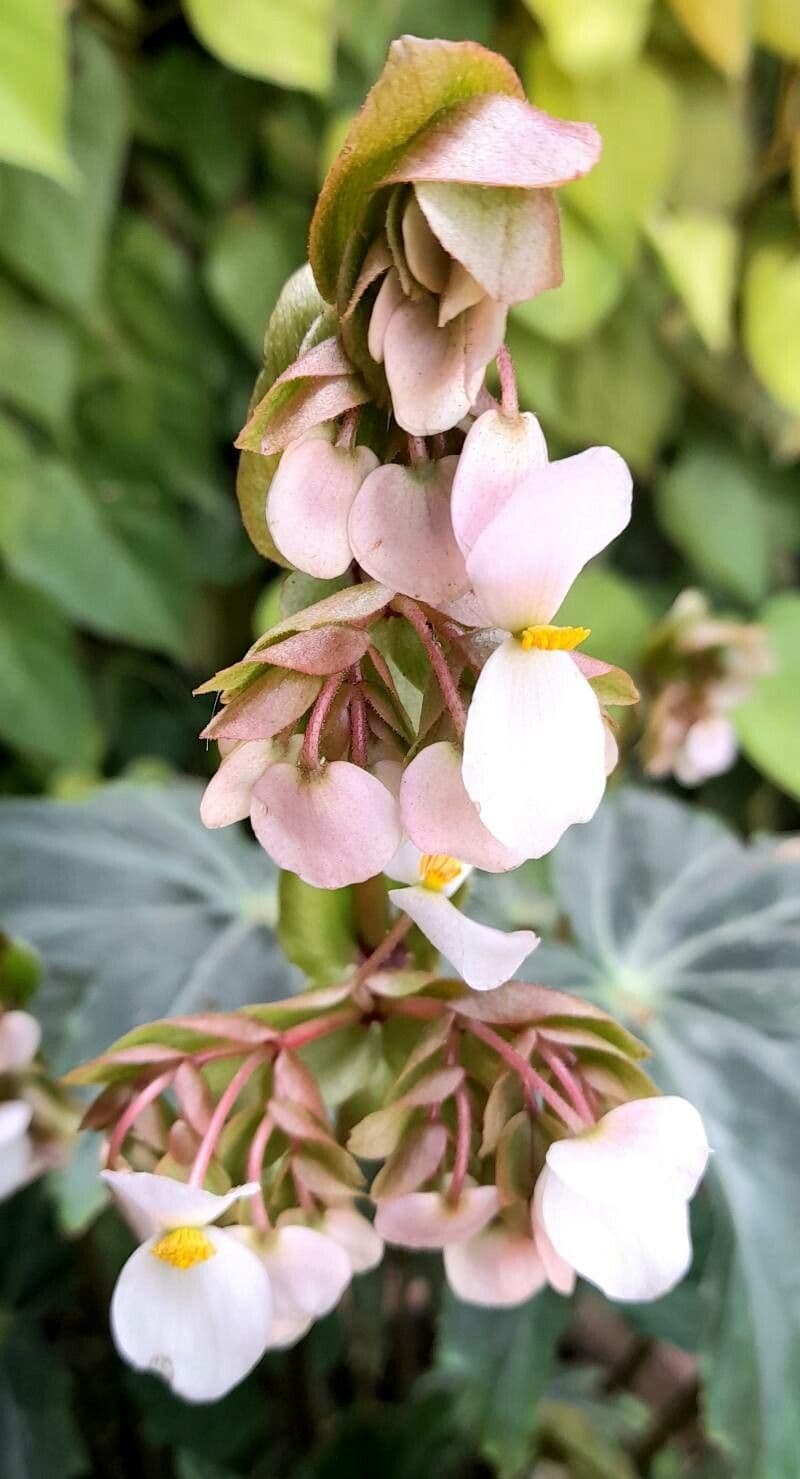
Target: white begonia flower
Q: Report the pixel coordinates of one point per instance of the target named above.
(613, 1202)
(17, 1165)
(20, 1035)
(193, 1303)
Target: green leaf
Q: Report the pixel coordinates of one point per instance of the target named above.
(588, 36)
(713, 156)
(46, 709)
(500, 1362)
(53, 238)
(420, 79)
(720, 29)
(38, 1438)
(768, 723)
(138, 912)
(289, 44)
(771, 322)
(699, 252)
(708, 503)
(593, 281)
(316, 928)
(250, 256)
(778, 26)
(692, 937)
(38, 360)
(58, 537)
(33, 87)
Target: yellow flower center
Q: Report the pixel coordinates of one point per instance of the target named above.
(436, 870)
(554, 639)
(184, 1247)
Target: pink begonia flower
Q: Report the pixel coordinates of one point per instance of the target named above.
(534, 746)
(20, 1035)
(193, 1303)
(500, 1267)
(308, 1274)
(400, 531)
(428, 1219)
(355, 1234)
(438, 816)
(228, 796)
(332, 826)
(309, 503)
(613, 1202)
(499, 452)
(709, 748)
(17, 1166)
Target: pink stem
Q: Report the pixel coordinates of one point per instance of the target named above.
(255, 1168)
(382, 952)
(529, 1076)
(417, 451)
(216, 1124)
(568, 1080)
(309, 755)
(305, 1032)
(508, 382)
(412, 613)
(463, 1143)
(358, 724)
(348, 429)
(129, 1115)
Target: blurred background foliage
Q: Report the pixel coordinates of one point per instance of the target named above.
(159, 166)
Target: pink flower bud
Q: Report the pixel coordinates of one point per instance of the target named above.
(332, 826)
(309, 502)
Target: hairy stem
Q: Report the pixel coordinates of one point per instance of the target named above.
(223, 1108)
(508, 382)
(129, 1116)
(532, 1080)
(309, 755)
(255, 1168)
(417, 619)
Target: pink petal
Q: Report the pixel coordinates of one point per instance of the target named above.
(508, 240)
(438, 815)
(560, 1274)
(658, 1143)
(400, 531)
(309, 501)
(484, 332)
(427, 1219)
(227, 796)
(485, 957)
(390, 296)
(356, 1235)
(334, 827)
(424, 254)
(498, 1268)
(20, 1035)
(462, 291)
(526, 559)
(308, 1271)
(497, 140)
(534, 747)
(495, 460)
(709, 749)
(320, 651)
(426, 368)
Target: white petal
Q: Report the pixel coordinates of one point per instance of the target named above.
(286, 1329)
(462, 291)
(497, 1268)
(308, 1271)
(438, 814)
(202, 1328)
(560, 1275)
(390, 296)
(484, 332)
(499, 453)
(403, 867)
(485, 957)
(20, 1035)
(659, 1143)
(629, 1256)
(227, 796)
(526, 559)
(534, 748)
(16, 1160)
(426, 257)
(164, 1202)
(356, 1235)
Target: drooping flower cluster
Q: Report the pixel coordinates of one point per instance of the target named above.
(699, 669)
(35, 1121)
(416, 713)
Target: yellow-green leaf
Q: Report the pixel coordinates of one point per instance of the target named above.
(33, 87)
(720, 29)
(588, 36)
(772, 316)
(699, 251)
(287, 43)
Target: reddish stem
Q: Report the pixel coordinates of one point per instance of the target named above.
(348, 429)
(568, 1080)
(463, 1143)
(358, 723)
(381, 952)
(508, 382)
(529, 1076)
(216, 1124)
(415, 617)
(417, 451)
(255, 1168)
(305, 1032)
(129, 1115)
(309, 755)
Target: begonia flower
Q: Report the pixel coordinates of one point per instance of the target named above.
(438, 815)
(333, 825)
(193, 1303)
(308, 1273)
(355, 1234)
(309, 503)
(709, 748)
(16, 1151)
(429, 1219)
(534, 746)
(20, 1035)
(500, 1267)
(613, 1201)
(401, 533)
(228, 796)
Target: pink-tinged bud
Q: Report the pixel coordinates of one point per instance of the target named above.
(509, 241)
(309, 503)
(428, 1219)
(435, 373)
(499, 1268)
(20, 1035)
(400, 531)
(332, 826)
(497, 456)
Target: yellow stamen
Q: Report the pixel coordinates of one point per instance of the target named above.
(436, 870)
(554, 639)
(184, 1247)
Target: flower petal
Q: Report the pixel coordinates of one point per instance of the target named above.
(534, 748)
(20, 1035)
(390, 296)
(426, 368)
(403, 866)
(400, 531)
(497, 1268)
(164, 1202)
(560, 1274)
(628, 1254)
(462, 291)
(485, 957)
(496, 457)
(427, 1219)
(335, 827)
(308, 1272)
(309, 501)
(509, 240)
(227, 796)
(424, 254)
(709, 749)
(484, 332)
(526, 559)
(356, 1235)
(659, 1142)
(16, 1159)
(203, 1328)
(439, 817)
